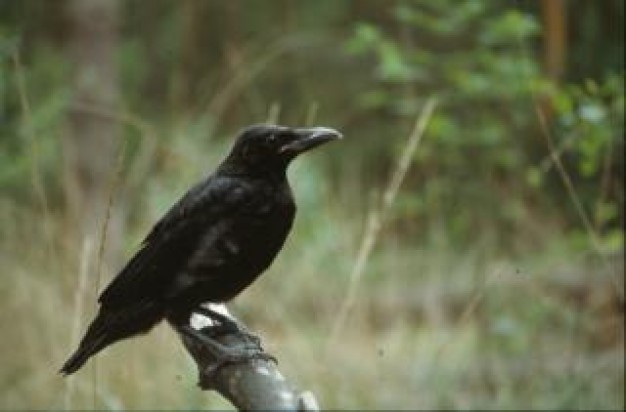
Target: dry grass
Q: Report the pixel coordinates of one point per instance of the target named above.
(540, 333)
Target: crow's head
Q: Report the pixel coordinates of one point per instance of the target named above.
(268, 148)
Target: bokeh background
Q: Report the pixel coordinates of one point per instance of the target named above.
(494, 279)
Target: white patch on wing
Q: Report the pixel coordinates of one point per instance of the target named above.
(199, 321)
(219, 308)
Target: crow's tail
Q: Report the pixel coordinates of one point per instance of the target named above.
(112, 325)
(96, 338)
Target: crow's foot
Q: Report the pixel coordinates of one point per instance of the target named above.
(233, 347)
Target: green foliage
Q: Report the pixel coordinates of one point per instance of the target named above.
(591, 131)
(486, 134)
(470, 54)
(33, 98)
(591, 119)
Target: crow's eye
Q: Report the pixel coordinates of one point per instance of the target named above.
(271, 138)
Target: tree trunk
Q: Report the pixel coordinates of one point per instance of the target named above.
(92, 140)
(554, 46)
(554, 37)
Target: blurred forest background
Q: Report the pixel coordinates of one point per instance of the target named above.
(496, 279)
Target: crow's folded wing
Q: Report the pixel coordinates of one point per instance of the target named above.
(211, 205)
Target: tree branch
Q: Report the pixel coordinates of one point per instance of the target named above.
(251, 383)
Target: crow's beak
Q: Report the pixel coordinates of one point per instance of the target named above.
(308, 138)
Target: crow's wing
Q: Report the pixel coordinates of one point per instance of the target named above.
(210, 205)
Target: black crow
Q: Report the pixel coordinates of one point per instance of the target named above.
(215, 241)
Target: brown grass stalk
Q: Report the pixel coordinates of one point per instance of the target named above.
(377, 216)
(592, 235)
(273, 114)
(114, 183)
(79, 309)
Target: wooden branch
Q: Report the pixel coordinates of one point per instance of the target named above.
(251, 383)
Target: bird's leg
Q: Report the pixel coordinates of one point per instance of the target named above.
(227, 324)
